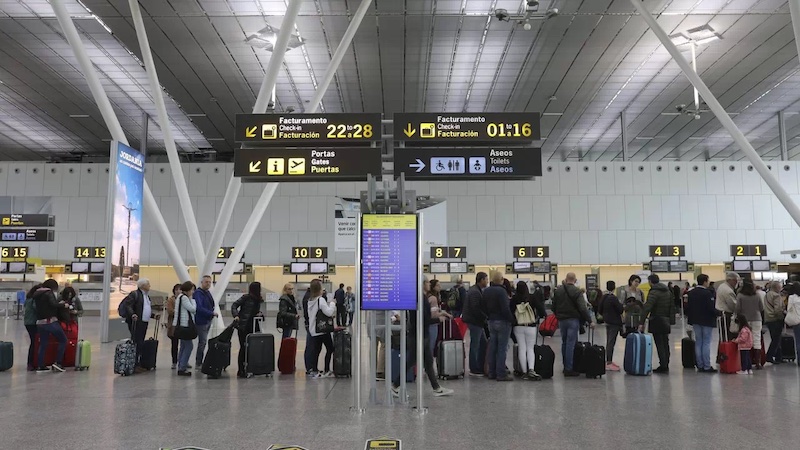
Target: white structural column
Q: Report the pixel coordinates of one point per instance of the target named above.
(264, 95)
(117, 133)
(794, 9)
(169, 141)
(224, 219)
(720, 112)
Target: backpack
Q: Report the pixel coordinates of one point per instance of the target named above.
(122, 309)
(453, 297)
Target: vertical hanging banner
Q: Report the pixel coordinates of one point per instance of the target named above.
(124, 228)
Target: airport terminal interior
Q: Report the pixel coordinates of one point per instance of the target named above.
(387, 224)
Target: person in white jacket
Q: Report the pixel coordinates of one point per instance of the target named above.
(185, 307)
(317, 303)
(793, 314)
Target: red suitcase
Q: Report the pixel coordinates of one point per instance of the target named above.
(727, 353)
(287, 356)
(71, 330)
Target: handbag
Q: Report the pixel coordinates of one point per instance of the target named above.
(792, 318)
(189, 332)
(734, 328)
(524, 314)
(323, 324)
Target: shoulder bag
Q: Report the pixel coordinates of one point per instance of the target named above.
(323, 324)
(792, 316)
(189, 332)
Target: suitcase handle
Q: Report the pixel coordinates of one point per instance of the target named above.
(257, 320)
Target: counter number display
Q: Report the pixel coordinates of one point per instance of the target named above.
(226, 252)
(308, 129)
(464, 128)
(759, 250)
(389, 261)
(531, 252)
(448, 252)
(656, 251)
(90, 252)
(14, 252)
(310, 252)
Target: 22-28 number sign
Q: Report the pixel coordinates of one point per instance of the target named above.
(667, 250)
(537, 251)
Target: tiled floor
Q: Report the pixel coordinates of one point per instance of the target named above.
(96, 409)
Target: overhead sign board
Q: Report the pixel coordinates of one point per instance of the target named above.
(749, 250)
(466, 128)
(469, 163)
(307, 129)
(536, 251)
(90, 252)
(306, 164)
(26, 235)
(14, 252)
(667, 250)
(448, 252)
(27, 220)
(310, 252)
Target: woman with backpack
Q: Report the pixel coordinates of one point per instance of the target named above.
(244, 312)
(524, 312)
(288, 318)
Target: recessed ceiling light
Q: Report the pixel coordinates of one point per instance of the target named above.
(645, 138)
(215, 139)
(79, 116)
(552, 114)
(196, 115)
(696, 138)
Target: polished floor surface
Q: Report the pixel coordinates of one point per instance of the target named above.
(96, 409)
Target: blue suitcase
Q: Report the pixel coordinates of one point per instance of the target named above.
(638, 354)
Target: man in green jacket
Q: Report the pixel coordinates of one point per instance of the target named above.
(660, 308)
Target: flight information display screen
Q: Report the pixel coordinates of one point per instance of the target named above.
(389, 262)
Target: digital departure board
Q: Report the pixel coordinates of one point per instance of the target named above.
(389, 262)
(26, 235)
(27, 220)
(308, 129)
(465, 128)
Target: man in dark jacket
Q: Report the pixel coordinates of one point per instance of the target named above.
(475, 318)
(571, 311)
(660, 307)
(462, 298)
(203, 317)
(611, 310)
(139, 313)
(341, 309)
(497, 306)
(47, 309)
(702, 315)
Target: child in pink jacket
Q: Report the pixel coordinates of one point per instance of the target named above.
(745, 343)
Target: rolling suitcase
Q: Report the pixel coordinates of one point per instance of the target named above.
(688, 358)
(727, 353)
(638, 354)
(578, 363)
(147, 360)
(51, 351)
(594, 358)
(83, 353)
(260, 355)
(545, 360)
(287, 355)
(125, 358)
(518, 369)
(6, 355)
(788, 352)
(217, 359)
(342, 347)
(450, 359)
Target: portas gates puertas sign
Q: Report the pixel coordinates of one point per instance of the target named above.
(306, 164)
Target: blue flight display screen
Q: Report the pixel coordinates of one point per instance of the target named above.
(389, 262)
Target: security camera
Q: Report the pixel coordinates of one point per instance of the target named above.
(533, 3)
(526, 26)
(552, 12)
(501, 14)
(697, 117)
(794, 255)
(680, 108)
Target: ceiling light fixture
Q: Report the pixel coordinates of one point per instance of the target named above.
(79, 116)
(530, 12)
(267, 36)
(196, 115)
(644, 138)
(694, 37)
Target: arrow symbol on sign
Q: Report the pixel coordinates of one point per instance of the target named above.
(250, 132)
(419, 165)
(410, 131)
(255, 166)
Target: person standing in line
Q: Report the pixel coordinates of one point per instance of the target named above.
(475, 318)
(341, 308)
(632, 289)
(319, 303)
(610, 308)
(571, 312)
(288, 319)
(749, 305)
(498, 307)
(203, 317)
(187, 308)
(434, 299)
(170, 307)
(526, 333)
(48, 309)
(30, 319)
(793, 304)
(726, 300)
(308, 353)
(659, 308)
(774, 314)
(244, 312)
(350, 304)
(744, 341)
(462, 298)
(702, 316)
(139, 313)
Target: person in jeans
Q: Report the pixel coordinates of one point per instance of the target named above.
(350, 304)
(475, 318)
(329, 308)
(702, 316)
(570, 311)
(30, 325)
(496, 303)
(170, 307)
(773, 319)
(660, 309)
(203, 317)
(186, 307)
(341, 308)
(244, 312)
(47, 311)
(749, 305)
(610, 308)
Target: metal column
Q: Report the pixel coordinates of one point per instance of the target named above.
(420, 408)
(355, 370)
(169, 141)
(782, 135)
(145, 131)
(623, 122)
(720, 112)
(794, 9)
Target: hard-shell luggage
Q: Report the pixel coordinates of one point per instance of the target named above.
(83, 358)
(450, 360)
(594, 358)
(342, 347)
(545, 360)
(578, 363)
(687, 353)
(217, 359)
(6, 355)
(728, 353)
(125, 358)
(147, 360)
(51, 351)
(260, 354)
(788, 351)
(287, 356)
(638, 354)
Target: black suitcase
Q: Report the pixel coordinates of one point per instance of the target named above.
(147, 360)
(6, 355)
(545, 360)
(594, 358)
(788, 352)
(260, 354)
(342, 346)
(687, 353)
(578, 363)
(217, 359)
